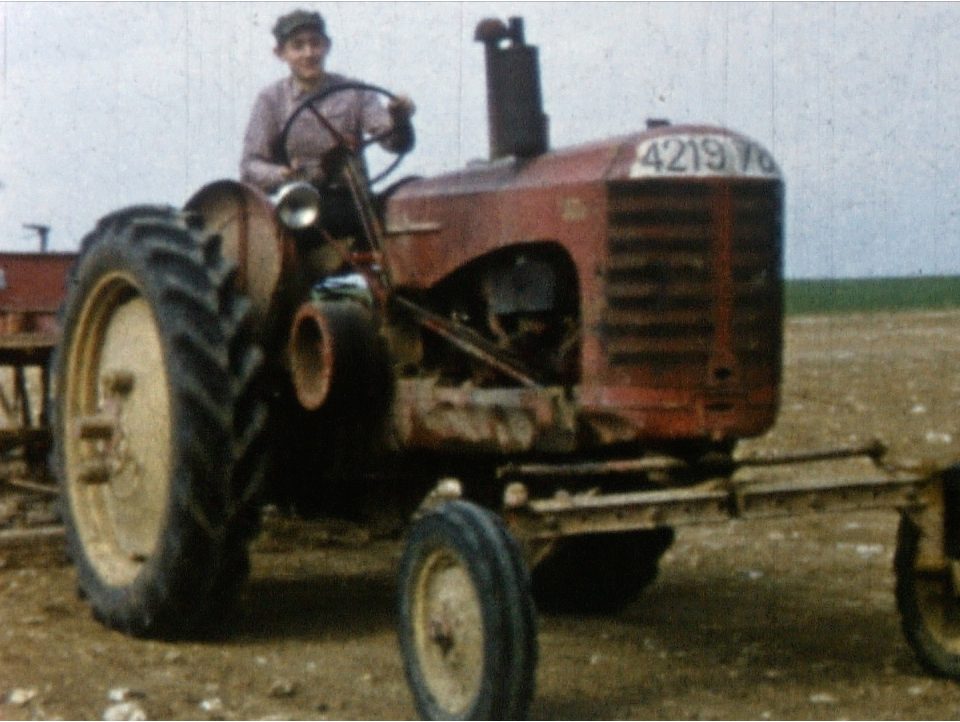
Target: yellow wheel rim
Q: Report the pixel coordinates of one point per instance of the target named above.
(448, 631)
(117, 430)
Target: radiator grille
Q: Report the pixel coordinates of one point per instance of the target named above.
(668, 304)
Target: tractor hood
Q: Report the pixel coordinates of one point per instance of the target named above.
(437, 225)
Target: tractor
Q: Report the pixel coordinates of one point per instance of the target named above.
(542, 362)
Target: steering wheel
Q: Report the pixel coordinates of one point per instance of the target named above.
(310, 103)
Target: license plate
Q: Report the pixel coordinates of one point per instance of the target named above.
(701, 154)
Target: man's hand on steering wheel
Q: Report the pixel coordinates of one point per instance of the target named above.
(401, 109)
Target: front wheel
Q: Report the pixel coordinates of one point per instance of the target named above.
(467, 621)
(928, 599)
(156, 424)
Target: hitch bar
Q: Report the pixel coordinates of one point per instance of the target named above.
(875, 451)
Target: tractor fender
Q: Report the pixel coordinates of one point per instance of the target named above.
(252, 237)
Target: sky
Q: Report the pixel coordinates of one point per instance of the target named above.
(106, 105)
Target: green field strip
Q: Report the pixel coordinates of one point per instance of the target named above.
(857, 295)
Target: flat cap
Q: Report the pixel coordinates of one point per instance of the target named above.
(288, 24)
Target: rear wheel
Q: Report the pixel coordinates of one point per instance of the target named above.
(156, 425)
(599, 573)
(467, 621)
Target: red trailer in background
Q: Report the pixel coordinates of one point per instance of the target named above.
(32, 287)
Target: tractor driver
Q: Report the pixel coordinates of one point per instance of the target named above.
(303, 44)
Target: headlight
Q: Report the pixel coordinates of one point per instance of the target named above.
(298, 205)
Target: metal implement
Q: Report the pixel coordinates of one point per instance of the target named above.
(717, 499)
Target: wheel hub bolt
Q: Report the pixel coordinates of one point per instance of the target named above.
(442, 635)
(118, 383)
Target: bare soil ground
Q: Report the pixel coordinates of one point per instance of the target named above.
(781, 619)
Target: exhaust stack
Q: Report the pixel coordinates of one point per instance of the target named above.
(518, 125)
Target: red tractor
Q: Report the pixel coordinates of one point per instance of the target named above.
(575, 339)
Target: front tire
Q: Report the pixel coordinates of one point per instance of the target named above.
(157, 425)
(929, 604)
(467, 621)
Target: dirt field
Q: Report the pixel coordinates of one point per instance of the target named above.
(785, 619)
